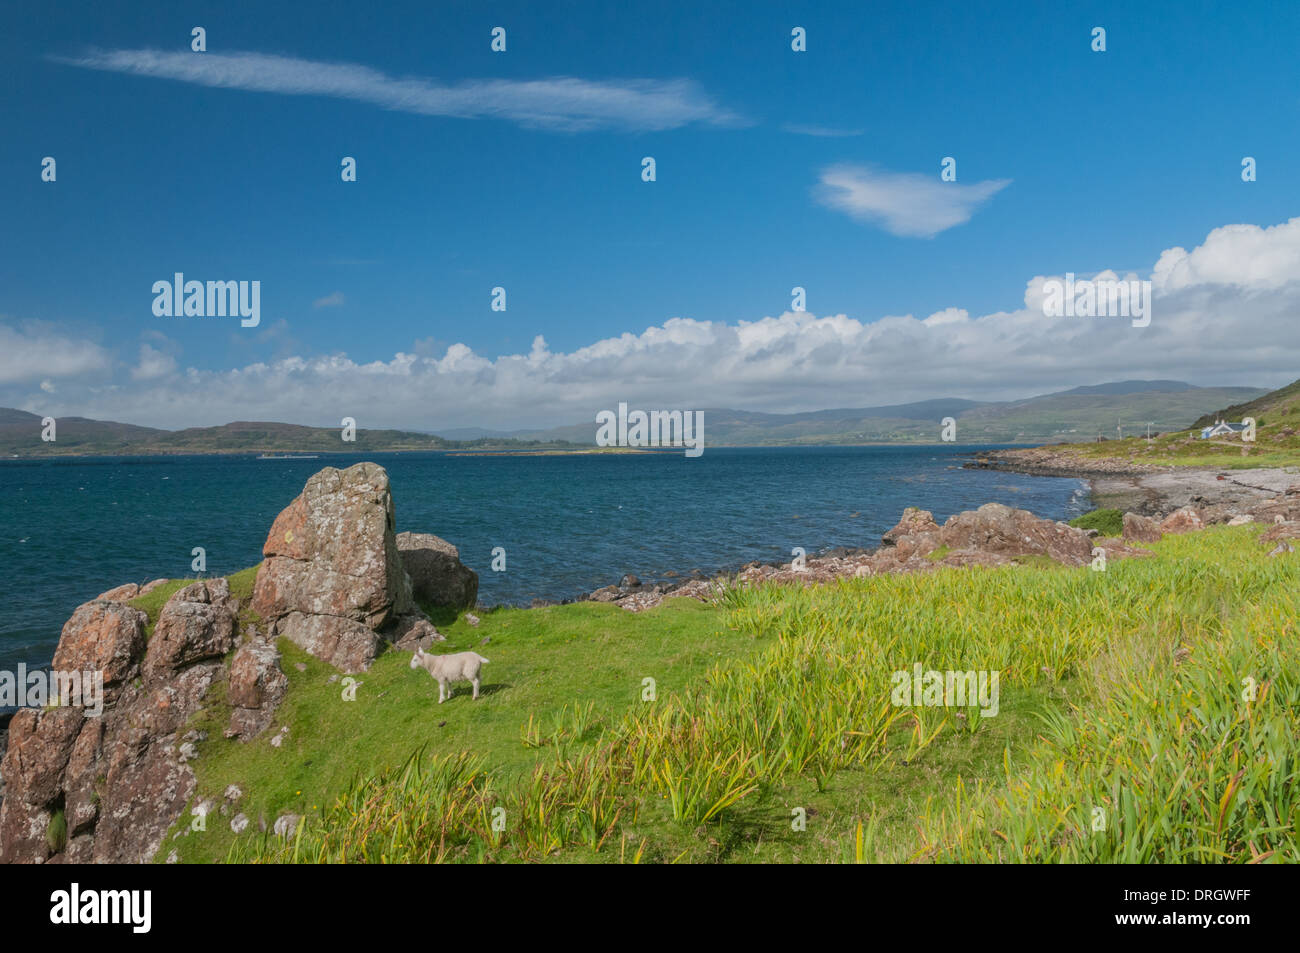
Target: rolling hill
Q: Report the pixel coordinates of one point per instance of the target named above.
(1280, 408)
(1077, 415)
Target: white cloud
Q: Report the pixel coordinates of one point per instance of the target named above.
(36, 350)
(904, 203)
(153, 364)
(1244, 255)
(1216, 325)
(332, 300)
(560, 103)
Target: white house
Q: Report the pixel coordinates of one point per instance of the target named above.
(1221, 429)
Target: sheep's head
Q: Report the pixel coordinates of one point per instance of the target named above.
(416, 656)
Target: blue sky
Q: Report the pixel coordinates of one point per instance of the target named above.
(1098, 161)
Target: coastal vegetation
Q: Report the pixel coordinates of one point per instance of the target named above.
(1146, 715)
(1107, 522)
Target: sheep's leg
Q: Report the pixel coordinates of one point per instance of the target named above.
(474, 682)
(442, 688)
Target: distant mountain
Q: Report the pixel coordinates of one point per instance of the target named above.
(1079, 414)
(1129, 387)
(20, 435)
(1279, 407)
(21, 431)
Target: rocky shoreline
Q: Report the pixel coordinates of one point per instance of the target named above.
(1145, 489)
(1155, 501)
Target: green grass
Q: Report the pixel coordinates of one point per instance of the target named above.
(56, 832)
(546, 665)
(1120, 691)
(1108, 522)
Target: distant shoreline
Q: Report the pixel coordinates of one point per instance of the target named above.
(302, 453)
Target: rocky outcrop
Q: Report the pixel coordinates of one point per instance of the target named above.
(106, 637)
(118, 777)
(128, 591)
(413, 631)
(437, 575)
(333, 575)
(1184, 520)
(994, 535)
(1002, 531)
(1141, 529)
(914, 521)
(196, 623)
(255, 688)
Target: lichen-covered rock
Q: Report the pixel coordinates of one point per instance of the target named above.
(103, 636)
(333, 576)
(40, 743)
(189, 631)
(123, 593)
(255, 688)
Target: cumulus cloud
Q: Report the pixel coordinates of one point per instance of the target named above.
(903, 203)
(1243, 255)
(39, 350)
(561, 103)
(1215, 325)
(153, 364)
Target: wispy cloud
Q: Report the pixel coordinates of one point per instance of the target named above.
(560, 103)
(904, 203)
(333, 300)
(825, 132)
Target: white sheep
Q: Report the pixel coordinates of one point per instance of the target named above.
(446, 669)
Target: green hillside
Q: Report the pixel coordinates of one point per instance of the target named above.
(20, 435)
(1276, 444)
(774, 737)
(1278, 408)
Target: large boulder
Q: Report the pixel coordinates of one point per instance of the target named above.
(103, 636)
(438, 577)
(40, 743)
(1185, 520)
(255, 688)
(116, 773)
(195, 624)
(1140, 529)
(333, 576)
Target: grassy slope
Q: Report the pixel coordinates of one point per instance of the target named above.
(1279, 407)
(1096, 709)
(1277, 441)
(542, 660)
